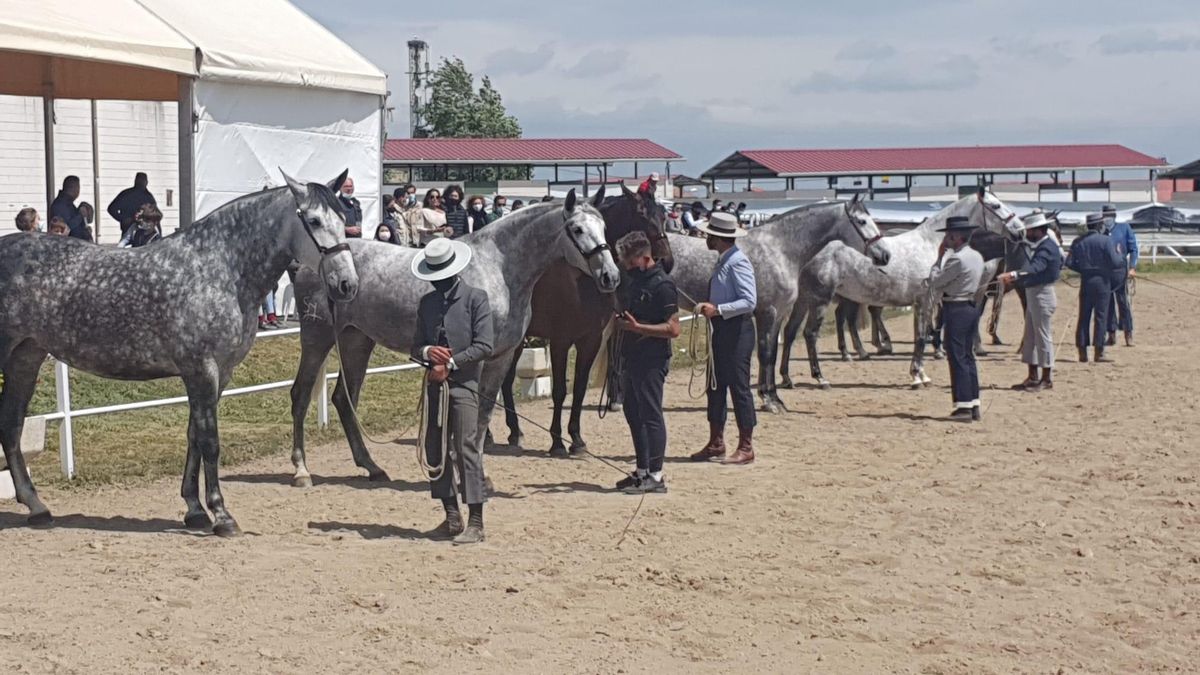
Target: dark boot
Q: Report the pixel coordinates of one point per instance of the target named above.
(1112, 339)
(1083, 355)
(716, 444)
(745, 449)
(474, 532)
(452, 526)
(1099, 357)
(1128, 338)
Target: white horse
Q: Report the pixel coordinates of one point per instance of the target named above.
(839, 270)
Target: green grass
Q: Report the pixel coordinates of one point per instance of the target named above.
(141, 445)
(1167, 267)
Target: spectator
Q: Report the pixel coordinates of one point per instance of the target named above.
(145, 228)
(649, 187)
(456, 213)
(499, 208)
(547, 198)
(28, 220)
(387, 234)
(266, 317)
(351, 208)
(406, 216)
(674, 216)
(124, 209)
(477, 216)
(406, 197)
(59, 226)
(692, 218)
(517, 205)
(389, 212)
(75, 217)
(432, 223)
(716, 207)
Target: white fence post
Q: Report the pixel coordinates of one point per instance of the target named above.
(323, 399)
(66, 438)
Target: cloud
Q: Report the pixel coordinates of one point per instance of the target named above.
(1144, 41)
(865, 50)
(1024, 47)
(952, 74)
(598, 62)
(518, 61)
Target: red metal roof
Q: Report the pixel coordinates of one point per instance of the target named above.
(523, 150)
(939, 160)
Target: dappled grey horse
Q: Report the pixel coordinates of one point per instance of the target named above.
(778, 249)
(839, 270)
(184, 306)
(509, 256)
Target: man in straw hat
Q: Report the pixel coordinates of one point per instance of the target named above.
(1037, 278)
(955, 279)
(454, 336)
(732, 297)
(1096, 260)
(1120, 314)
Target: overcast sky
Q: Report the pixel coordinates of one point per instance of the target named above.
(707, 77)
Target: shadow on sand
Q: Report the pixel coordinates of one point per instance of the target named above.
(78, 521)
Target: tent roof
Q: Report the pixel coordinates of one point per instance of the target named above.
(1189, 170)
(136, 49)
(543, 151)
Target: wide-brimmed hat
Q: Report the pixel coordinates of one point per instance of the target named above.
(723, 225)
(1035, 220)
(654, 176)
(441, 259)
(957, 224)
(1108, 208)
(1095, 220)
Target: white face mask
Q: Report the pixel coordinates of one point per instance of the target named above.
(384, 236)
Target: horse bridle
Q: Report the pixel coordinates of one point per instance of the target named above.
(987, 211)
(587, 255)
(867, 241)
(323, 250)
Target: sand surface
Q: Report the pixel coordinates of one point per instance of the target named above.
(872, 536)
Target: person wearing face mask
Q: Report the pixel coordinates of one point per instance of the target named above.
(351, 209)
(477, 217)
(454, 335)
(732, 297)
(386, 233)
(499, 208)
(456, 213)
(647, 327)
(1037, 278)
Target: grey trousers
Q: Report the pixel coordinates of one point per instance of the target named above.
(466, 459)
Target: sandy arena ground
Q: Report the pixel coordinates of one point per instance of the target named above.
(871, 536)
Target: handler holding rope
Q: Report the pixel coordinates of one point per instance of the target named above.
(454, 333)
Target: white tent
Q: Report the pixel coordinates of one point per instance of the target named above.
(261, 86)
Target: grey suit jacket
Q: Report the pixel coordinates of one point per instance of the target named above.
(467, 317)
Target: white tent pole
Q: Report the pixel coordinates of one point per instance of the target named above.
(96, 170)
(187, 151)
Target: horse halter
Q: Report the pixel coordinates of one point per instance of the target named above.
(587, 255)
(867, 241)
(323, 250)
(987, 211)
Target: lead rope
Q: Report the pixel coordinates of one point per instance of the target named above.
(443, 421)
(693, 350)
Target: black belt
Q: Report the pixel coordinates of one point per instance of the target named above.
(959, 302)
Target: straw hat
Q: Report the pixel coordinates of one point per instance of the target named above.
(441, 259)
(723, 225)
(957, 224)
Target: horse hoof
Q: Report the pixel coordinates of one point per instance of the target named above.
(304, 481)
(379, 477)
(197, 521)
(578, 448)
(845, 357)
(515, 440)
(824, 384)
(226, 528)
(886, 351)
(916, 385)
(615, 407)
(771, 407)
(40, 519)
(787, 384)
(559, 452)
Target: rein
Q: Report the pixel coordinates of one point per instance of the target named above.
(694, 352)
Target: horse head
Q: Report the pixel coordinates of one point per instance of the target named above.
(631, 212)
(589, 250)
(996, 214)
(318, 237)
(865, 226)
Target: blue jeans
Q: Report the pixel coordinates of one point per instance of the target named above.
(268, 304)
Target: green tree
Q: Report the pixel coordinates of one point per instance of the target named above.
(456, 109)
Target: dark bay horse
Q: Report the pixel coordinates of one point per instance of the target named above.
(184, 306)
(569, 312)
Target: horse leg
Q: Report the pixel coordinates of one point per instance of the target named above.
(840, 313)
(355, 349)
(515, 437)
(993, 323)
(20, 379)
(879, 332)
(559, 350)
(853, 313)
(585, 355)
(767, 324)
(812, 329)
(204, 392)
(790, 330)
(921, 328)
(494, 372)
(314, 347)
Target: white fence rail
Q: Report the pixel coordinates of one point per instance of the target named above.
(65, 414)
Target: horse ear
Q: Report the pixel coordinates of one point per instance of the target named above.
(982, 191)
(599, 198)
(569, 206)
(855, 199)
(625, 190)
(299, 190)
(336, 183)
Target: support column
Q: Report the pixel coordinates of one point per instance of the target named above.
(48, 134)
(586, 177)
(96, 171)
(187, 151)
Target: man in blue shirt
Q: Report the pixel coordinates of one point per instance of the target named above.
(732, 297)
(1127, 247)
(1096, 260)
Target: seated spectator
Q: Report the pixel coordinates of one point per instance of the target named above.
(145, 228)
(674, 221)
(386, 233)
(691, 219)
(517, 205)
(124, 208)
(477, 217)
(28, 220)
(59, 226)
(717, 206)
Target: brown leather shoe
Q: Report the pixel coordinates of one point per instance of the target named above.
(716, 444)
(745, 449)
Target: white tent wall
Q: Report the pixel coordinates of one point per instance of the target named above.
(247, 132)
(133, 136)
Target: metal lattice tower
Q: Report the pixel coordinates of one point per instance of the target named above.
(418, 76)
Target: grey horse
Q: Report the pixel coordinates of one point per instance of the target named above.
(184, 306)
(778, 250)
(839, 270)
(509, 256)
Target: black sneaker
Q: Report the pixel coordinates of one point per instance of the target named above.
(628, 481)
(961, 414)
(647, 484)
